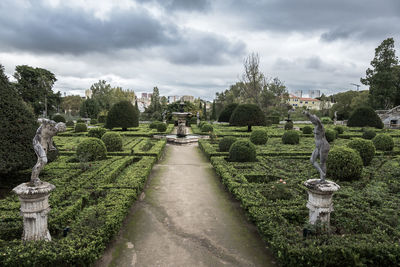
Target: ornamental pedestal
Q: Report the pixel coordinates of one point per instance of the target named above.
(320, 203)
(34, 209)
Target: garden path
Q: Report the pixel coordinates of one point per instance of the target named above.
(186, 219)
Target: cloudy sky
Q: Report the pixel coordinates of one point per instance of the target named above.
(196, 47)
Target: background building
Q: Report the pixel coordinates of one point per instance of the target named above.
(308, 102)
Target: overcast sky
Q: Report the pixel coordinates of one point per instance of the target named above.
(196, 47)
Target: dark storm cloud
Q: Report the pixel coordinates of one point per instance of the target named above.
(338, 19)
(66, 30)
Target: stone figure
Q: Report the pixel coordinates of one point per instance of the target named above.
(42, 143)
(335, 118)
(321, 146)
(198, 115)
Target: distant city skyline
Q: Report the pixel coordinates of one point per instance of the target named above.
(196, 47)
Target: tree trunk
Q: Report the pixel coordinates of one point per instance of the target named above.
(249, 128)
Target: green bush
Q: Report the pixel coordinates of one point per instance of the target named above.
(58, 118)
(225, 143)
(259, 137)
(154, 124)
(344, 164)
(368, 134)
(383, 142)
(123, 114)
(91, 149)
(113, 141)
(96, 132)
(289, 125)
(242, 151)
(17, 128)
(161, 127)
(247, 115)
(206, 127)
(273, 119)
(80, 127)
(365, 148)
(102, 118)
(80, 121)
(326, 120)
(201, 123)
(339, 129)
(226, 113)
(291, 137)
(365, 116)
(93, 122)
(70, 124)
(330, 135)
(307, 129)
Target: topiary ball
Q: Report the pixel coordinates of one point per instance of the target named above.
(154, 124)
(291, 137)
(307, 129)
(207, 127)
(113, 141)
(326, 120)
(368, 134)
(58, 118)
(365, 148)
(339, 129)
(344, 164)
(330, 135)
(93, 121)
(289, 125)
(96, 132)
(79, 121)
(161, 127)
(259, 137)
(365, 116)
(383, 142)
(80, 127)
(225, 143)
(242, 151)
(70, 124)
(91, 149)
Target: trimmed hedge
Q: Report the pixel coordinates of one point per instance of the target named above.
(161, 127)
(112, 141)
(339, 129)
(259, 137)
(226, 113)
(368, 134)
(154, 124)
(307, 129)
(80, 127)
(70, 124)
(242, 151)
(344, 164)
(58, 118)
(365, 116)
(225, 143)
(330, 135)
(96, 132)
(291, 137)
(289, 125)
(365, 148)
(383, 142)
(206, 127)
(93, 122)
(247, 115)
(91, 149)
(123, 114)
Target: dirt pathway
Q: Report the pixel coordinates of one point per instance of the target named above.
(186, 219)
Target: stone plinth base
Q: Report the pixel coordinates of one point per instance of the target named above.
(181, 131)
(320, 200)
(34, 209)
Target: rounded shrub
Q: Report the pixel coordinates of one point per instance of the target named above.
(289, 125)
(225, 143)
(102, 118)
(326, 120)
(247, 115)
(161, 127)
(339, 129)
(207, 128)
(291, 137)
(307, 129)
(113, 141)
(365, 148)
(383, 142)
(58, 118)
(154, 124)
(79, 121)
(365, 116)
(369, 134)
(330, 135)
(93, 121)
(80, 127)
(344, 164)
(91, 149)
(70, 124)
(123, 114)
(226, 113)
(201, 123)
(96, 132)
(242, 151)
(259, 137)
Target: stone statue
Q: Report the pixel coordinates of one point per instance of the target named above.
(335, 118)
(42, 143)
(321, 146)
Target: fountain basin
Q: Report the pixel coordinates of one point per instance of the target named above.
(173, 138)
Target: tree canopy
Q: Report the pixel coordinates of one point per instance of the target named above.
(124, 115)
(247, 115)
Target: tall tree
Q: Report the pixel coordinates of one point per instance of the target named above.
(89, 109)
(71, 103)
(205, 110)
(383, 78)
(102, 93)
(213, 112)
(253, 80)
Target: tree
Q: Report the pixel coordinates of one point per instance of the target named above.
(205, 110)
(34, 85)
(365, 116)
(122, 114)
(71, 103)
(89, 108)
(213, 112)
(226, 114)
(253, 80)
(18, 127)
(361, 100)
(274, 94)
(383, 79)
(102, 93)
(118, 94)
(154, 110)
(247, 115)
(343, 104)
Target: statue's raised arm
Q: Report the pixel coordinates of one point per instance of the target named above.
(42, 143)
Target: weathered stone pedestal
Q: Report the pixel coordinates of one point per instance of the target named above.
(181, 132)
(34, 209)
(320, 200)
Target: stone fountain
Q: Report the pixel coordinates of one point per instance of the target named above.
(182, 117)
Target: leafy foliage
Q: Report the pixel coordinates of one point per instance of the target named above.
(383, 142)
(113, 141)
(365, 148)
(290, 137)
(344, 164)
(225, 143)
(368, 134)
(330, 135)
(206, 127)
(122, 114)
(307, 129)
(339, 129)
(70, 123)
(80, 127)
(89, 108)
(226, 113)
(259, 137)
(91, 149)
(247, 115)
(365, 116)
(242, 151)
(58, 118)
(161, 127)
(96, 132)
(289, 125)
